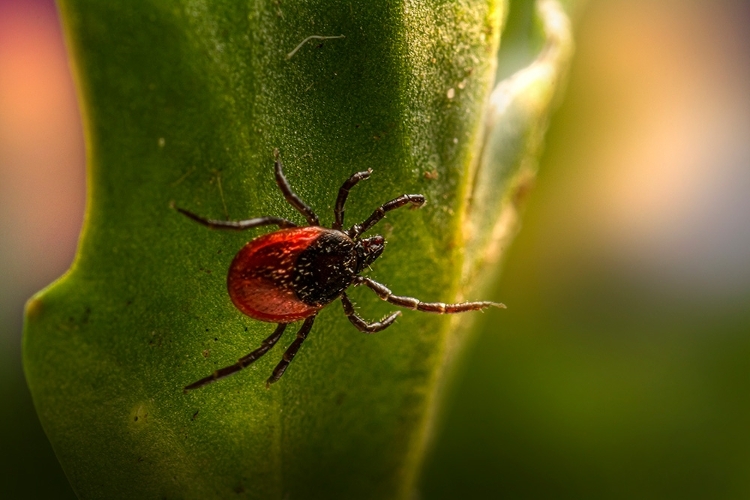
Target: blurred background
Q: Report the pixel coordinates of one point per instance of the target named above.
(621, 368)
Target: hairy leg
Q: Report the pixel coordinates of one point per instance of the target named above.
(416, 200)
(237, 225)
(434, 307)
(291, 351)
(243, 362)
(289, 195)
(361, 324)
(338, 212)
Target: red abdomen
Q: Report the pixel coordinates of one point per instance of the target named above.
(260, 277)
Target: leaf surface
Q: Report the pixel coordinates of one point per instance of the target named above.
(185, 102)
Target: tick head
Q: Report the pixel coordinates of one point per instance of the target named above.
(368, 250)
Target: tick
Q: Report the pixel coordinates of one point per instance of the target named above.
(292, 273)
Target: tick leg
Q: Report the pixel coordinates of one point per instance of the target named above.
(290, 196)
(243, 362)
(237, 225)
(291, 351)
(433, 307)
(361, 324)
(416, 200)
(343, 193)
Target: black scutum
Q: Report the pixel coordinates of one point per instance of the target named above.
(325, 268)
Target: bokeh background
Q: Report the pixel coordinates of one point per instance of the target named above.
(621, 368)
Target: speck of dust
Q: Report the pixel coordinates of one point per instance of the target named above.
(451, 93)
(140, 414)
(162, 142)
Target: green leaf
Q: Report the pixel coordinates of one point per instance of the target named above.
(186, 101)
(516, 121)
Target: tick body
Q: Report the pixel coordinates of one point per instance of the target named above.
(290, 274)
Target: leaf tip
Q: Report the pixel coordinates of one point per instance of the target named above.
(34, 308)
